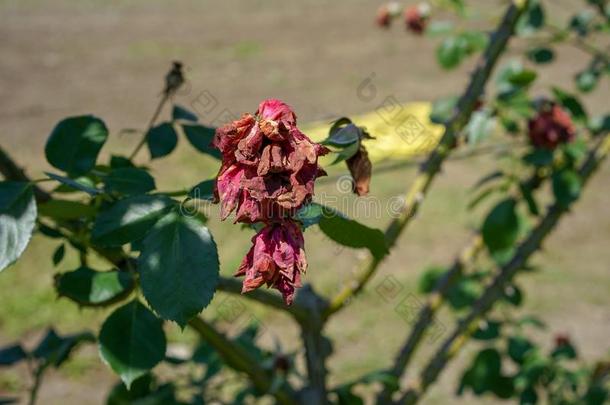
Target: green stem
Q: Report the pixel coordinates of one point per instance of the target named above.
(432, 165)
(37, 383)
(238, 358)
(150, 125)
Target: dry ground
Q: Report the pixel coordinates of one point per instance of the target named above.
(69, 57)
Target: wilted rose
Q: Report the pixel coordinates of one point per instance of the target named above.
(268, 172)
(269, 166)
(276, 259)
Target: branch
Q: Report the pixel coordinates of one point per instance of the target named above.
(317, 347)
(238, 358)
(433, 163)
(437, 297)
(494, 292)
(433, 302)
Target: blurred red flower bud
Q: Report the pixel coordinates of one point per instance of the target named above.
(562, 339)
(383, 18)
(416, 18)
(550, 127)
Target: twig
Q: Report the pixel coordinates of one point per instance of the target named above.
(316, 346)
(427, 312)
(139, 146)
(238, 358)
(436, 298)
(433, 163)
(495, 290)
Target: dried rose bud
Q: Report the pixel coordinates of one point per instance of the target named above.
(360, 168)
(277, 259)
(269, 166)
(281, 363)
(551, 127)
(416, 18)
(383, 18)
(562, 340)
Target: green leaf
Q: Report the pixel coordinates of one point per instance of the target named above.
(450, 52)
(203, 190)
(443, 109)
(576, 150)
(59, 253)
(565, 351)
(599, 124)
(473, 41)
(501, 227)
(120, 162)
(348, 232)
(75, 143)
(129, 181)
(11, 355)
(88, 287)
(310, 214)
(483, 372)
(513, 295)
(145, 391)
(161, 140)
(572, 104)
(566, 187)
(512, 79)
(132, 341)
(76, 184)
(201, 138)
(523, 78)
(66, 210)
(178, 268)
(427, 281)
(464, 293)
(541, 55)
(518, 347)
(480, 126)
(439, 28)
(343, 136)
(346, 152)
(385, 378)
(129, 219)
(488, 330)
(528, 397)
(587, 80)
(528, 196)
(55, 349)
(181, 113)
(17, 220)
(539, 157)
(532, 20)
(581, 22)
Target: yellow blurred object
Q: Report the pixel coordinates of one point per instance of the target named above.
(400, 130)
